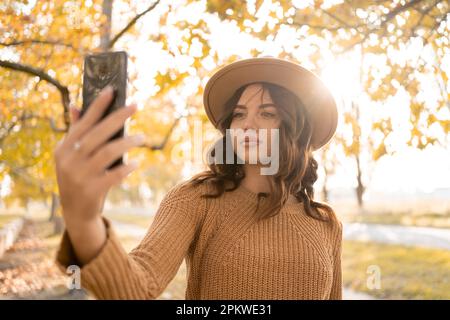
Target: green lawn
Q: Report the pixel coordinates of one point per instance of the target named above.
(406, 272)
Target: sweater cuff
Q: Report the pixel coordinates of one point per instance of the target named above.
(99, 276)
(66, 256)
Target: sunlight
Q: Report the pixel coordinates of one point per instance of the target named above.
(341, 76)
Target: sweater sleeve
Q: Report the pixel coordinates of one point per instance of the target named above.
(145, 272)
(336, 289)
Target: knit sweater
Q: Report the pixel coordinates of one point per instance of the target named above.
(229, 253)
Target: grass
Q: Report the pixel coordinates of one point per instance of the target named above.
(424, 219)
(139, 220)
(435, 220)
(406, 272)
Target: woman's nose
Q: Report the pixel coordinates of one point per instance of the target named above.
(250, 123)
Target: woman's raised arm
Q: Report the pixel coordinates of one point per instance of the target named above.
(146, 271)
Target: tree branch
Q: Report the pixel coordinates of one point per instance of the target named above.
(399, 9)
(342, 22)
(165, 140)
(50, 121)
(26, 117)
(34, 41)
(320, 27)
(435, 27)
(8, 131)
(131, 23)
(384, 20)
(423, 13)
(65, 98)
(21, 172)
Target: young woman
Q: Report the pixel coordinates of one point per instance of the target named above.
(244, 234)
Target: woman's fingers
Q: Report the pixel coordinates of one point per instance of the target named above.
(105, 129)
(92, 115)
(113, 150)
(115, 176)
(74, 114)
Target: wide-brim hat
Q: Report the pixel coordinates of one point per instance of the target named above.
(312, 92)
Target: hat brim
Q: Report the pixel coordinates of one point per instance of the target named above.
(317, 99)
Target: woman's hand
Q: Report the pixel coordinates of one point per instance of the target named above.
(82, 159)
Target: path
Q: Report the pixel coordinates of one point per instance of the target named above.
(27, 269)
(403, 235)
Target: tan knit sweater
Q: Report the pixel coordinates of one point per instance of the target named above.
(229, 254)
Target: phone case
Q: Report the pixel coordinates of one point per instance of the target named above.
(100, 70)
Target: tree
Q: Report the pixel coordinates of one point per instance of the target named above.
(30, 110)
(42, 50)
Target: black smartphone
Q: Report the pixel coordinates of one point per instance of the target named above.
(101, 70)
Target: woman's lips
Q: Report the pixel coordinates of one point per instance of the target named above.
(250, 142)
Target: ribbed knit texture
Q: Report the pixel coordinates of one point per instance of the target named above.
(229, 253)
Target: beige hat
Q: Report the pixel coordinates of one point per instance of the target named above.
(316, 97)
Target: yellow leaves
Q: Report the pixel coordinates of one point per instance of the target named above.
(445, 125)
(50, 43)
(169, 80)
(383, 125)
(353, 122)
(416, 110)
(444, 77)
(379, 151)
(57, 21)
(431, 119)
(351, 141)
(384, 81)
(375, 49)
(420, 139)
(228, 9)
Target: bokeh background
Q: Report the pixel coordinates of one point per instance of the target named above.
(386, 172)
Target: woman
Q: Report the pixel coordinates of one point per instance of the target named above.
(244, 234)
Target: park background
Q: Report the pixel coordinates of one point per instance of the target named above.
(386, 172)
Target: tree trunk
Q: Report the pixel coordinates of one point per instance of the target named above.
(54, 207)
(58, 222)
(324, 188)
(106, 30)
(360, 189)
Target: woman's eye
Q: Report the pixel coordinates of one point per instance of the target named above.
(268, 114)
(237, 114)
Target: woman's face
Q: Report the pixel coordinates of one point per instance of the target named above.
(254, 111)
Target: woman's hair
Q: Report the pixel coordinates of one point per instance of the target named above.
(297, 169)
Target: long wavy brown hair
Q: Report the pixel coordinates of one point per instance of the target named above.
(297, 170)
